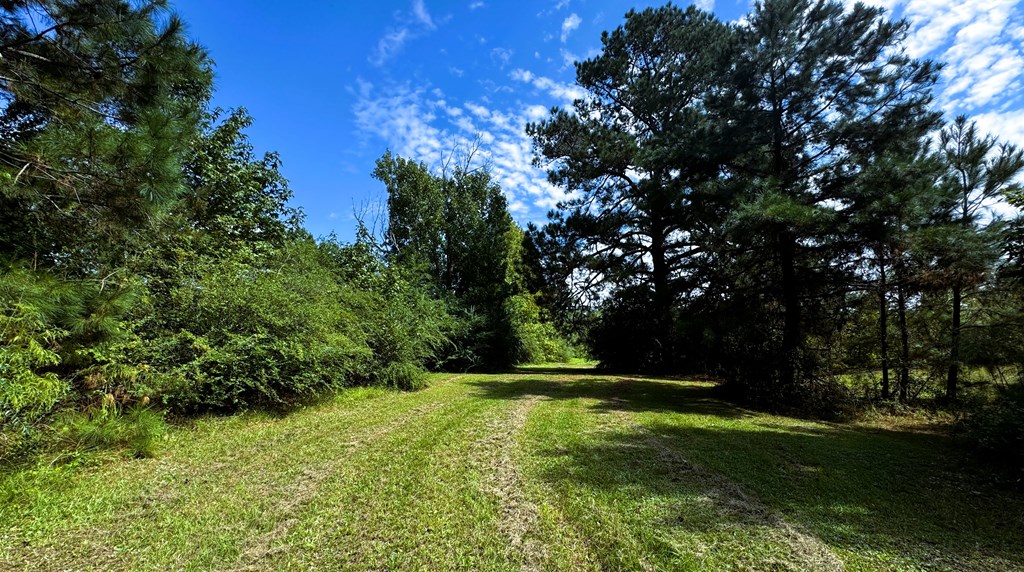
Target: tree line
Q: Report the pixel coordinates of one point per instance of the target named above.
(778, 201)
(151, 261)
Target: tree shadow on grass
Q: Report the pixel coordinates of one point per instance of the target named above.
(896, 499)
(618, 394)
(901, 496)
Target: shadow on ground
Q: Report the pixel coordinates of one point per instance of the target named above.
(557, 370)
(615, 393)
(896, 499)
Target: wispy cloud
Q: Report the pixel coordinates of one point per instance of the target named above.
(419, 10)
(569, 25)
(502, 56)
(389, 45)
(477, 5)
(419, 123)
(413, 24)
(564, 92)
(982, 44)
(569, 59)
(706, 5)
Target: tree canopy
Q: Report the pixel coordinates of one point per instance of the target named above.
(741, 190)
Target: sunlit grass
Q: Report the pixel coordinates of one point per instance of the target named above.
(545, 469)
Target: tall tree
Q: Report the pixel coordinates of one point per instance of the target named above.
(978, 171)
(233, 196)
(634, 150)
(822, 86)
(892, 199)
(454, 227)
(234, 203)
(101, 98)
(455, 224)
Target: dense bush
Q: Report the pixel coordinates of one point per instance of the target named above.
(537, 341)
(244, 329)
(996, 430)
(255, 331)
(405, 329)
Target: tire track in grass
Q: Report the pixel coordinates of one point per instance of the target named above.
(298, 494)
(808, 552)
(418, 503)
(301, 491)
(518, 514)
(180, 481)
(532, 542)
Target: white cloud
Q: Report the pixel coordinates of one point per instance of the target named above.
(569, 25)
(402, 118)
(566, 93)
(522, 75)
(536, 112)
(569, 59)
(410, 26)
(415, 123)
(478, 110)
(1007, 125)
(502, 56)
(982, 44)
(477, 5)
(419, 10)
(706, 5)
(389, 45)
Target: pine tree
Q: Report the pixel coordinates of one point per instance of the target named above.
(633, 152)
(101, 100)
(822, 86)
(978, 170)
(892, 199)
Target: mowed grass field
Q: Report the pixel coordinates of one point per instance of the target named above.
(542, 469)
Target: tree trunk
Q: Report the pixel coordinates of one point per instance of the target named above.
(662, 298)
(883, 325)
(954, 349)
(901, 311)
(791, 307)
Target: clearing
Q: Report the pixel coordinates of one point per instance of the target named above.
(543, 469)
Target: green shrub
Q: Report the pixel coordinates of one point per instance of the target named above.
(252, 333)
(401, 375)
(996, 430)
(404, 327)
(537, 341)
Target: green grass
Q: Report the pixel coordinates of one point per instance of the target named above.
(543, 469)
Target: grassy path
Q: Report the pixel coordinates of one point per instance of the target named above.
(539, 470)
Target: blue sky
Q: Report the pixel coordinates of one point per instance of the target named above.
(331, 85)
